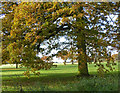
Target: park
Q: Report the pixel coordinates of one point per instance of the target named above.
(60, 47)
(62, 78)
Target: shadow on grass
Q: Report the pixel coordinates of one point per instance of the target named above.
(48, 78)
(12, 70)
(44, 78)
(20, 69)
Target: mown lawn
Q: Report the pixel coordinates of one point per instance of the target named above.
(62, 78)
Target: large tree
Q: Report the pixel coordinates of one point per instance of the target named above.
(31, 24)
(88, 23)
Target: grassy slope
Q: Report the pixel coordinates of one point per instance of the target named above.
(61, 78)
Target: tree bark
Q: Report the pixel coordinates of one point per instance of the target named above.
(82, 59)
(119, 56)
(72, 62)
(65, 62)
(72, 55)
(16, 65)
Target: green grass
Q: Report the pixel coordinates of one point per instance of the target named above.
(62, 78)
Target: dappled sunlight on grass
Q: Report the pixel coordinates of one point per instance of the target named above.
(61, 78)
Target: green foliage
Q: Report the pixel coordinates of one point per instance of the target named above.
(27, 25)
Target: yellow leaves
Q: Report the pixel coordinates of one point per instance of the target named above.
(28, 21)
(45, 24)
(66, 10)
(15, 22)
(12, 34)
(34, 42)
(55, 4)
(74, 16)
(54, 15)
(71, 11)
(80, 15)
(29, 37)
(50, 9)
(37, 37)
(74, 7)
(13, 7)
(60, 23)
(115, 56)
(10, 47)
(27, 74)
(61, 10)
(34, 69)
(65, 19)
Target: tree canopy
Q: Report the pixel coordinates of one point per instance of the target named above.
(27, 25)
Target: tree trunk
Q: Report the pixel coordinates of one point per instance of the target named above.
(82, 59)
(72, 62)
(72, 57)
(119, 56)
(65, 62)
(72, 52)
(81, 41)
(16, 65)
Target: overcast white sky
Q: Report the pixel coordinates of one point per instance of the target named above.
(60, 60)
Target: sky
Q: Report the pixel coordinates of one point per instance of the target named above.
(59, 60)
(1, 16)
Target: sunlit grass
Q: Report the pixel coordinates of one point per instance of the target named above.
(62, 78)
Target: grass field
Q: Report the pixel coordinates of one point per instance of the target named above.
(62, 78)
